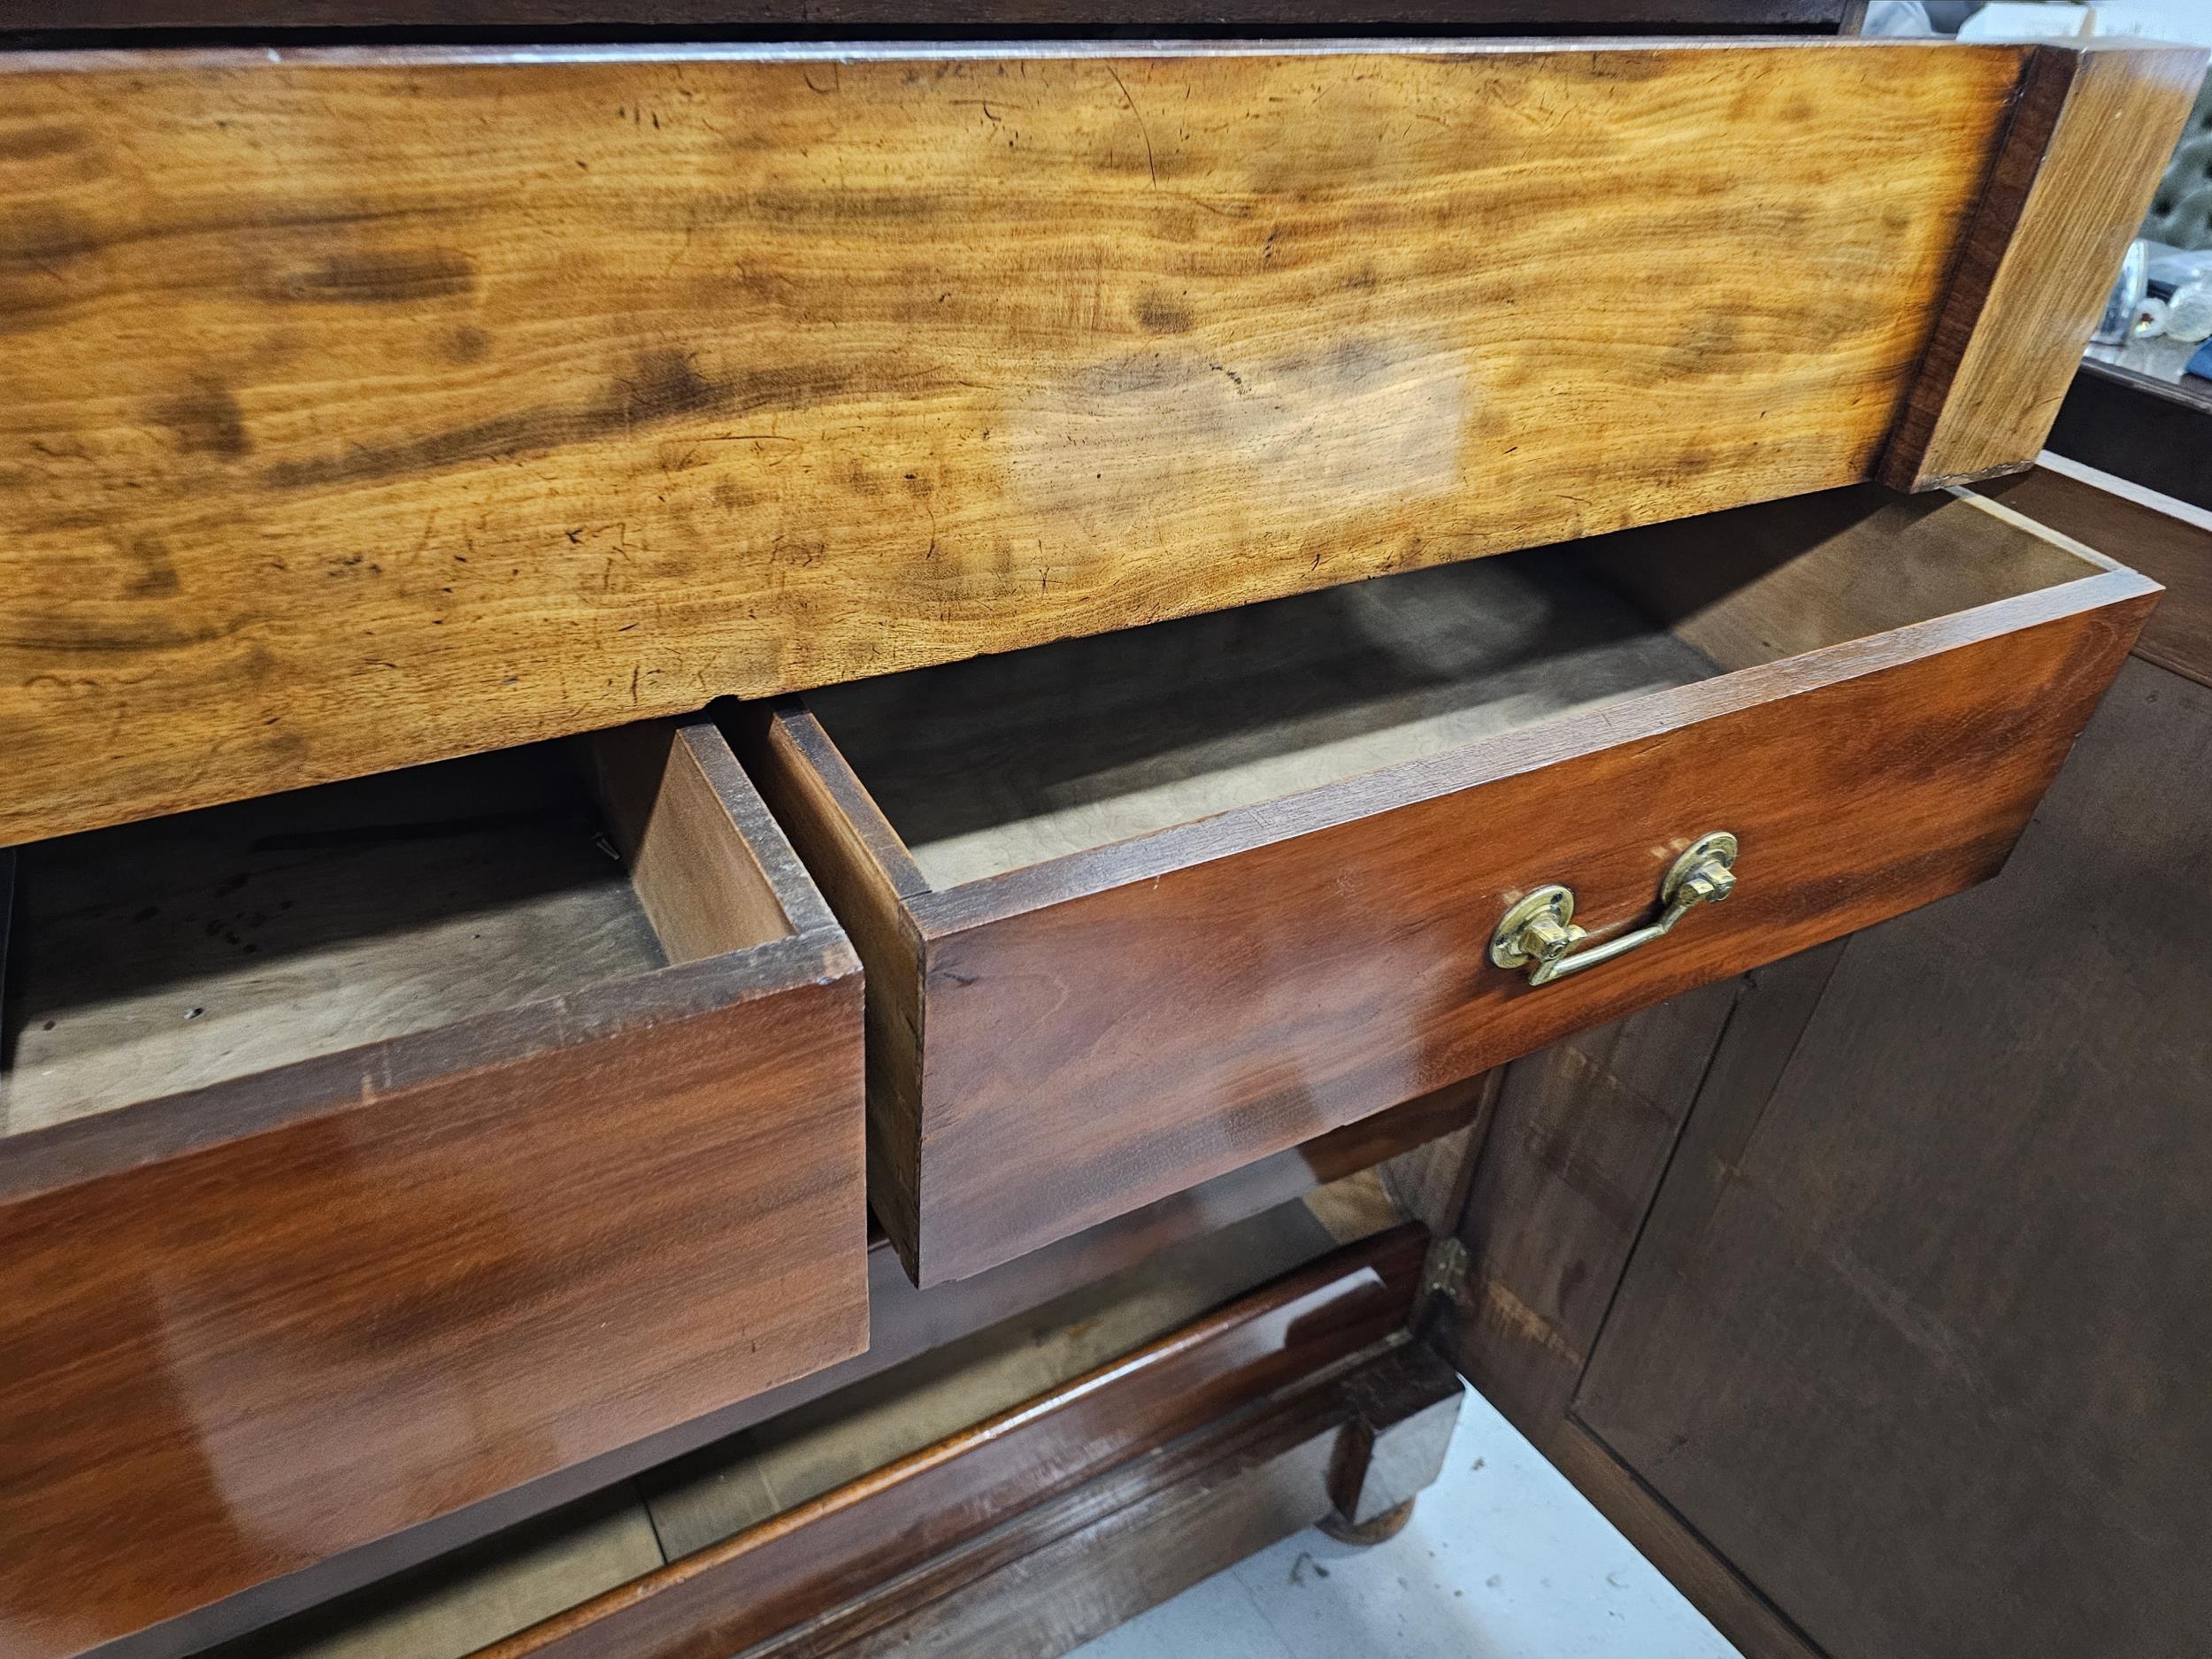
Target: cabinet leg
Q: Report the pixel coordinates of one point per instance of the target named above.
(1389, 1524)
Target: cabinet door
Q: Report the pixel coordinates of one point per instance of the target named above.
(1916, 1335)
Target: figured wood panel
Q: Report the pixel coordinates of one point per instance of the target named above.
(1916, 1335)
(426, 1274)
(2087, 142)
(1109, 1027)
(365, 408)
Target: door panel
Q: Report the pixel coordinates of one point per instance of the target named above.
(1917, 1338)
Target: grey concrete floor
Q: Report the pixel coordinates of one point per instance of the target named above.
(1502, 1560)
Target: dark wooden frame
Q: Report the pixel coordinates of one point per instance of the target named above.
(1585, 1135)
(1005, 1480)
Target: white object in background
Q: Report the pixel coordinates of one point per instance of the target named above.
(2178, 266)
(2150, 318)
(2189, 313)
(1893, 19)
(2024, 20)
(2186, 22)
(2124, 307)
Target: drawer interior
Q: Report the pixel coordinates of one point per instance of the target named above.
(1004, 762)
(169, 953)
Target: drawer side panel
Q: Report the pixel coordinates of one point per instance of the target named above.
(361, 409)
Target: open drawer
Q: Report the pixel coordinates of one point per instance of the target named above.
(1137, 909)
(365, 406)
(372, 1149)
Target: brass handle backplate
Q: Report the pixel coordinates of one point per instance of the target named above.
(1538, 933)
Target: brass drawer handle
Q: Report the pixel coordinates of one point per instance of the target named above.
(1539, 931)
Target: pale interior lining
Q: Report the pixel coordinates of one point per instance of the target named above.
(1004, 762)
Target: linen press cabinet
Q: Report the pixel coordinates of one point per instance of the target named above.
(1203, 658)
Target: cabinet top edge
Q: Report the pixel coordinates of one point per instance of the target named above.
(140, 58)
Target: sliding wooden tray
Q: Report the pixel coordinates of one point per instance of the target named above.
(1136, 909)
(367, 1151)
(365, 407)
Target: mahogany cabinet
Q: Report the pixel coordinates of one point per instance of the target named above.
(436, 1093)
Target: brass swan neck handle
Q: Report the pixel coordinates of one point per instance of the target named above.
(1538, 933)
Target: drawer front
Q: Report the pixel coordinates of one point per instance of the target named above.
(368, 407)
(1217, 1002)
(228, 1366)
(248, 1329)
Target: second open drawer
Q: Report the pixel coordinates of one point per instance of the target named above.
(370, 1151)
(1135, 909)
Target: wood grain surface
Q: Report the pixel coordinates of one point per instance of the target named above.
(250, 1328)
(801, 1563)
(2175, 552)
(1099, 1030)
(2041, 259)
(362, 408)
(1914, 1335)
(1197, 1014)
(906, 20)
(1072, 1570)
(687, 823)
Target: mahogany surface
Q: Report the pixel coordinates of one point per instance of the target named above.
(1086, 1034)
(800, 1564)
(367, 406)
(251, 1327)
